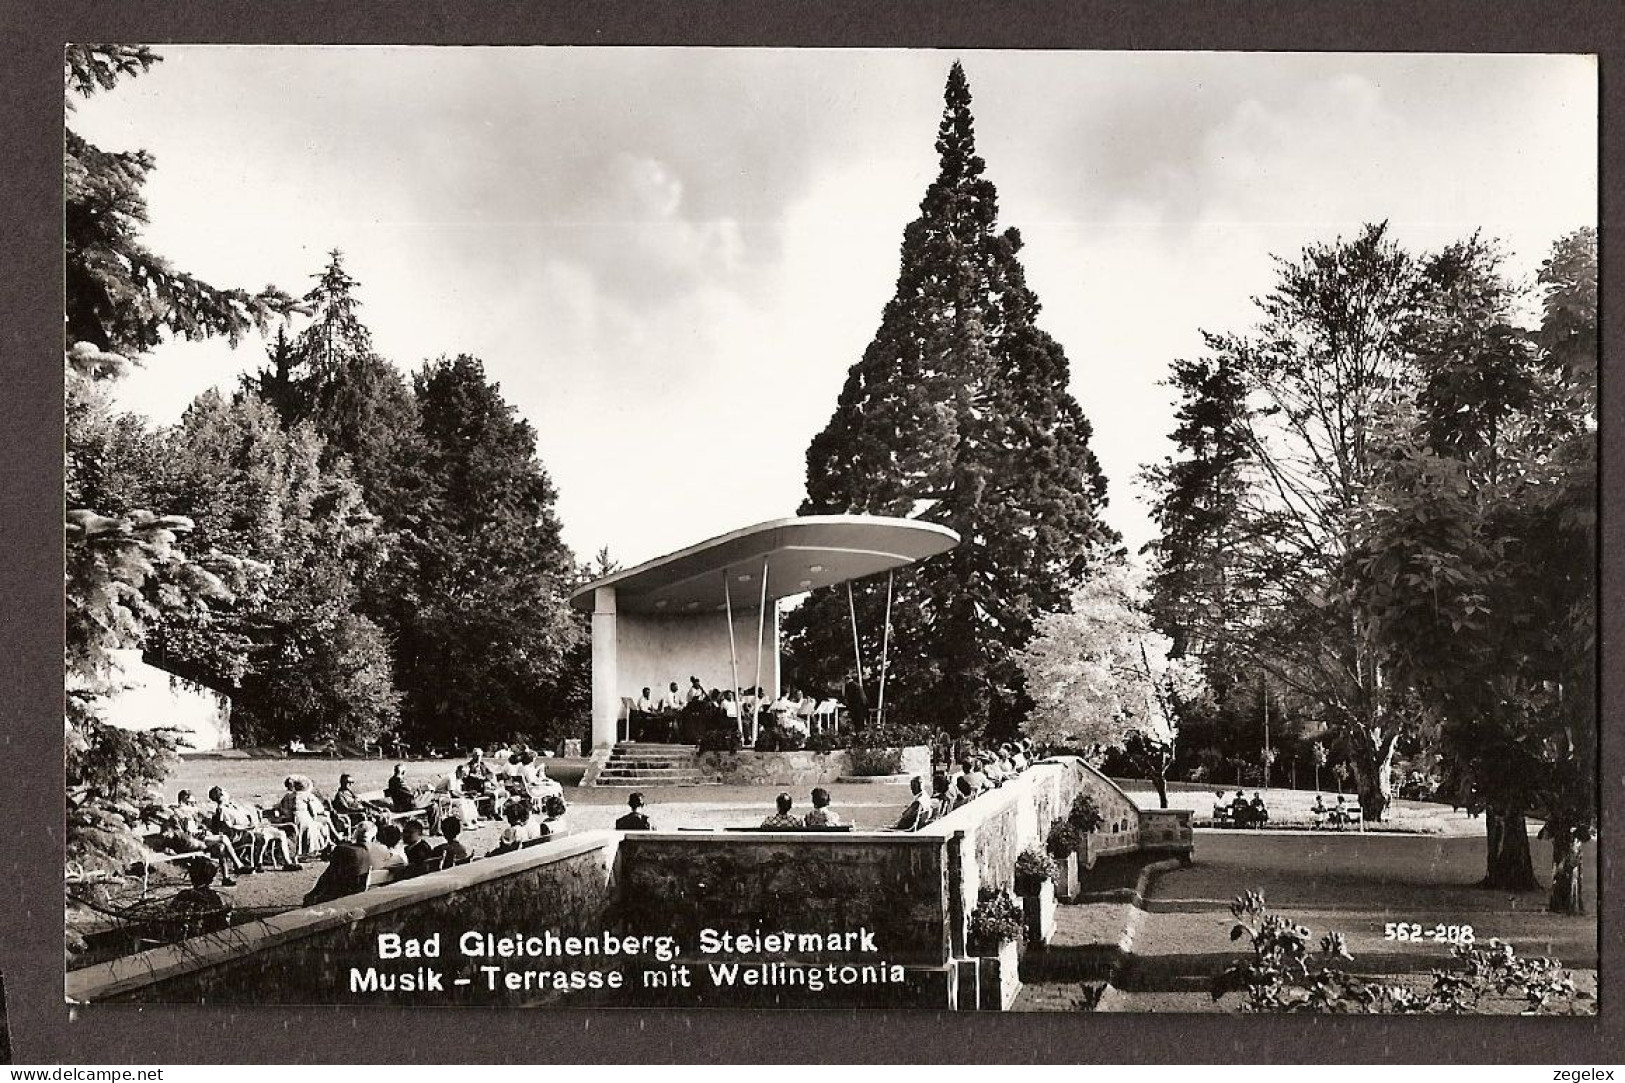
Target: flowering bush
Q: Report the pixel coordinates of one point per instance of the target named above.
(1287, 974)
(721, 740)
(1085, 816)
(1063, 841)
(1033, 868)
(890, 735)
(876, 761)
(996, 921)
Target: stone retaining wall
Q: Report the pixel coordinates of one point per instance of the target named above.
(304, 956)
(911, 891)
(748, 767)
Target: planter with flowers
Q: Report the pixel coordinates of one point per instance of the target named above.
(1035, 883)
(1063, 844)
(995, 939)
(1086, 818)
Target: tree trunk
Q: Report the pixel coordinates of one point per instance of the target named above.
(1160, 779)
(1507, 864)
(1568, 880)
(1373, 763)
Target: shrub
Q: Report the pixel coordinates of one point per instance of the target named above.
(1033, 868)
(1064, 840)
(890, 735)
(827, 742)
(996, 920)
(1287, 975)
(1085, 814)
(876, 761)
(721, 740)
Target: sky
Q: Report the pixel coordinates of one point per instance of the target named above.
(669, 258)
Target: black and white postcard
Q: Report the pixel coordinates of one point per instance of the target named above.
(1036, 531)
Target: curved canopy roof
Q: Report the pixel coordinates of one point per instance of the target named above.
(802, 554)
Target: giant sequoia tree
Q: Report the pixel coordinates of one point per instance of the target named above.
(958, 413)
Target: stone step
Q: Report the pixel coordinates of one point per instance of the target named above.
(652, 761)
(668, 772)
(633, 784)
(667, 750)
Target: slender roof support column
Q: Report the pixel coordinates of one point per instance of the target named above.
(606, 699)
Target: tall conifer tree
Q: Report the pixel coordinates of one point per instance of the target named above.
(958, 413)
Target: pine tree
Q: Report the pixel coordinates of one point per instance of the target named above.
(958, 413)
(1194, 588)
(330, 376)
(124, 566)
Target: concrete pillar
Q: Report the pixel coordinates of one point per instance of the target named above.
(606, 696)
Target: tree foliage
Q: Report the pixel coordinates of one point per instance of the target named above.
(296, 655)
(958, 413)
(482, 626)
(124, 567)
(1101, 676)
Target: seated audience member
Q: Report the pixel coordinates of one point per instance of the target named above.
(634, 818)
(393, 842)
(378, 855)
(522, 827)
(942, 798)
(501, 757)
(1260, 813)
(782, 819)
(918, 812)
(398, 792)
(347, 808)
(1340, 813)
(419, 851)
(183, 832)
(346, 872)
(965, 790)
(533, 778)
(205, 909)
(972, 772)
(552, 811)
(246, 827)
(313, 828)
(452, 852)
(477, 777)
(990, 767)
(1318, 810)
(821, 815)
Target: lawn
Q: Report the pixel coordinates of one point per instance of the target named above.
(1351, 884)
(1291, 809)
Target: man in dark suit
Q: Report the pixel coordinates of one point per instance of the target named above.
(634, 820)
(346, 873)
(856, 703)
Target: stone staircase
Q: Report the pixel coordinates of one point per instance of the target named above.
(639, 764)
